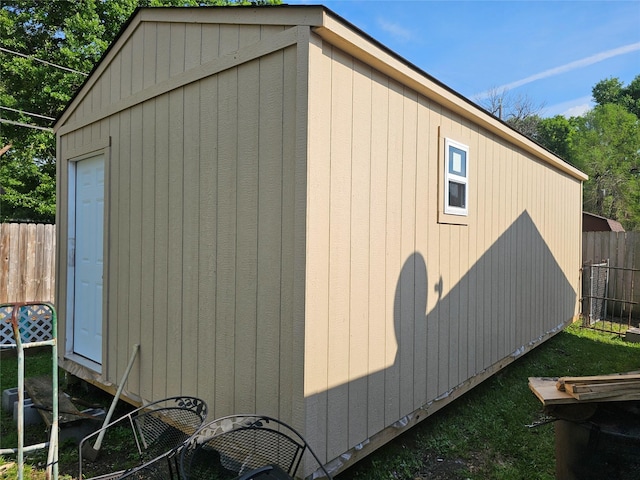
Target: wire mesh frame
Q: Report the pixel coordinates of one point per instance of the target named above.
(212, 434)
(149, 426)
(610, 300)
(25, 319)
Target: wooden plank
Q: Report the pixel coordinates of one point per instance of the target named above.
(546, 391)
(40, 390)
(620, 395)
(616, 377)
(602, 387)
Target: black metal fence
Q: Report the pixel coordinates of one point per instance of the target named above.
(608, 297)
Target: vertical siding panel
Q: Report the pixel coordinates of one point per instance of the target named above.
(317, 258)
(377, 257)
(135, 242)
(177, 49)
(208, 180)
(126, 74)
(477, 314)
(502, 255)
(190, 235)
(193, 46)
(409, 297)
(489, 318)
(147, 316)
(226, 242)
(270, 325)
(393, 254)
(161, 248)
(117, 362)
(247, 242)
(229, 39)
(248, 35)
(434, 275)
(112, 211)
(210, 42)
(175, 244)
(469, 272)
(137, 59)
(339, 262)
(445, 275)
(115, 69)
(359, 281)
(422, 221)
(294, 194)
(163, 49)
(150, 54)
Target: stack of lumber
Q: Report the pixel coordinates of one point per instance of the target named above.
(617, 387)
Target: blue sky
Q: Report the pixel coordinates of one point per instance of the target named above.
(553, 52)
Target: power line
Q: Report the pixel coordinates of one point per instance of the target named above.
(28, 113)
(43, 61)
(20, 124)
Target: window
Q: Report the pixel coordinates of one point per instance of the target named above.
(456, 178)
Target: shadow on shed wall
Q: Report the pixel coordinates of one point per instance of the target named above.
(513, 298)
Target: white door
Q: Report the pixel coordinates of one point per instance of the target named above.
(87, 291)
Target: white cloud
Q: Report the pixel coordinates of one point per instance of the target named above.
(584, 62)
(572, 108)
(396, 30)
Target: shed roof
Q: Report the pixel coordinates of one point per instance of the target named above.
(596, 223)
(336, 31)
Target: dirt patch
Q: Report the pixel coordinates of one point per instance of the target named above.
(441, 468)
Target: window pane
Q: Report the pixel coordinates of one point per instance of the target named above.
(457, 161)
(457, 193)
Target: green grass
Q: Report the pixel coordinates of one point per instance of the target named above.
(482, 435)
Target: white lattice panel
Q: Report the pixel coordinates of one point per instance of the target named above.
(34, 323)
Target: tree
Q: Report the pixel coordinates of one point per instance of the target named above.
(612, 90)
(69, 33)
(556, 134)
(606, 146)
(518, 110)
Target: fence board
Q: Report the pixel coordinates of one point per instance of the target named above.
(27, 262)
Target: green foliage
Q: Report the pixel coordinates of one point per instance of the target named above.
(606, 145)
(556, 133)
(70, 33)
(613, 91)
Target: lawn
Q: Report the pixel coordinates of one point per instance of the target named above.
(483, 435)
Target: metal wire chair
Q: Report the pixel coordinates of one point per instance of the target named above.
(245, 447)
(154, 433)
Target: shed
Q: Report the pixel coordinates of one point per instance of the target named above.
(596, 223)
(291, 219)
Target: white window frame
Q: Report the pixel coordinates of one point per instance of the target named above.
(461, 179)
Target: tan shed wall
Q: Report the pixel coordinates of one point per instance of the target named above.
(401, 309)
(203, 224)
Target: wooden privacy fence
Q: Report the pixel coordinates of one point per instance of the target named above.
(27, 268)
(618, 254)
